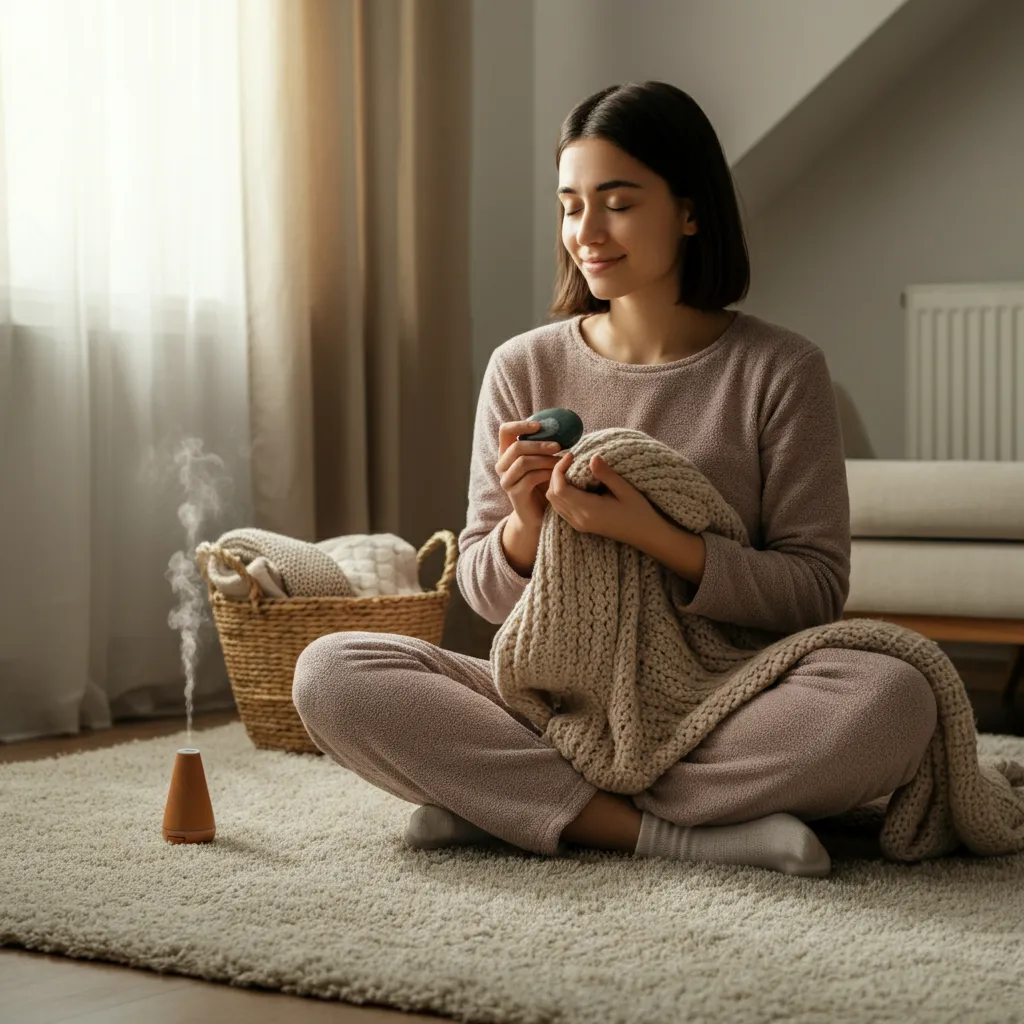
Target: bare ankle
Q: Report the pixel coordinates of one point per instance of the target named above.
(609, 821)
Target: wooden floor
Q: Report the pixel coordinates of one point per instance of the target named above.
(39, 988)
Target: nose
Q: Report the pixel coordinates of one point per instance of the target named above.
(590, 232)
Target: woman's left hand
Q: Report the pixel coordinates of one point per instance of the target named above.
(623, 514)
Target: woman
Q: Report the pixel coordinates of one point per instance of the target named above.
(644, 341)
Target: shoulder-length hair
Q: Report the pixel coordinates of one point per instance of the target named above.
(664, 128)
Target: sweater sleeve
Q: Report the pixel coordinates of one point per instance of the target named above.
(801, 578)
(487, 581)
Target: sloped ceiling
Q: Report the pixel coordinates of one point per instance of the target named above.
(785, 150)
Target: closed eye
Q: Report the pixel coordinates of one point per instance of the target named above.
(614, 209)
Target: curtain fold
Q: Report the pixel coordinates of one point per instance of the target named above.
(233, 291)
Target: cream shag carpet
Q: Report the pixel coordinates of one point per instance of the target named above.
(309, 888)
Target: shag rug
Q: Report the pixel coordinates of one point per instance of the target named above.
(309, 888)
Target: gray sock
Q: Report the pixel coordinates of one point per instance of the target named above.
(781, 842)
(431, 828)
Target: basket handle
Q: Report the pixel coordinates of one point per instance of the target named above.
(450, 557)
(203, 554)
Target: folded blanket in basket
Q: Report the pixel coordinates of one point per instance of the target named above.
(230, 584)
(372, 564)
(376, 563)
(304, 570)
(624, 682)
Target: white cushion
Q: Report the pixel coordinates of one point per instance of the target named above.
(961, 499)
(978, 579)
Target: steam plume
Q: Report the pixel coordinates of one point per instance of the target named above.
(198, 473)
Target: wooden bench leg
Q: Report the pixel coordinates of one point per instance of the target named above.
(1015, 676)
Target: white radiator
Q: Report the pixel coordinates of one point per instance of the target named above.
(965, 371)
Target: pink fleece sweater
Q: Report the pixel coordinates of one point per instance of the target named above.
(754, 411)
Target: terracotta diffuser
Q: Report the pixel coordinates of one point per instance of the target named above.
(188, 815)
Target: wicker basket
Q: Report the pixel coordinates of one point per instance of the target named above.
(263, 637)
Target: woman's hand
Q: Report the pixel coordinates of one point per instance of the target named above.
(623, 514)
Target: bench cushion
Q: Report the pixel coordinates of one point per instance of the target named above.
(958, 499)
(978, 579)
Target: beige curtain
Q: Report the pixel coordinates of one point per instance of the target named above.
(357, 240)
(176, 360)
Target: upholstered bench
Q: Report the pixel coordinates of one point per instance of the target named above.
(938, 546)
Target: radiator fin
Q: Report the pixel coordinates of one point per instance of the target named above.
(965, 371)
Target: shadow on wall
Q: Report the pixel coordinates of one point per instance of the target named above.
(856, 444)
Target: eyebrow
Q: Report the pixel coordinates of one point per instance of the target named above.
(603, 187)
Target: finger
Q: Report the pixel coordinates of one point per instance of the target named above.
(558, 484)
(553, 481)
(509, 432)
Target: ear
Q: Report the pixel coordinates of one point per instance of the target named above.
(686, 222)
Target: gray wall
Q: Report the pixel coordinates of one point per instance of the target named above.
(927, 188)
(502, 192)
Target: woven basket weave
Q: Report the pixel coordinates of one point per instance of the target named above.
(263, 637)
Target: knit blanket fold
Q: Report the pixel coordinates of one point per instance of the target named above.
(601, 655)
(304, 569)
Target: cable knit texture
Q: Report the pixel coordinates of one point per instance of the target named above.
(602, 655)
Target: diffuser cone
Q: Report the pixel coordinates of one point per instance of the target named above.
(188, 814)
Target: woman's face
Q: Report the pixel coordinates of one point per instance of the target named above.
(642, 224)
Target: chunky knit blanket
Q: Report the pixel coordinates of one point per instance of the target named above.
(600, 654)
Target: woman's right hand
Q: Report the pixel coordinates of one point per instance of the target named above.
(524, 469)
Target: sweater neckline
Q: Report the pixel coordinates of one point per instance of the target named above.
(614, 364)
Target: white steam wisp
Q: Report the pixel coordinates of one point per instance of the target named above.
(196, 471)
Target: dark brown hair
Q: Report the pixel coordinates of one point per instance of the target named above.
(665, 129)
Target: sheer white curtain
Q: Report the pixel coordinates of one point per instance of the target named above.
(124, 304)
(220, 223)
